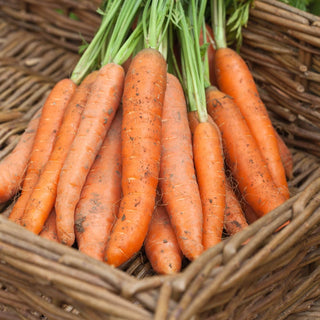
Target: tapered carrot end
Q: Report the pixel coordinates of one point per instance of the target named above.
(115, 256)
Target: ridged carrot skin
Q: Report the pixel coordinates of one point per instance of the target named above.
(242, 154)
(43, 196)
(178, 183)
(142, 101)
(49, 124)
(235, 79)
(49, 230)
(209, 163)
(234, 218)
(100, 198)
(102, 104)
(161, 245)
(13, 167)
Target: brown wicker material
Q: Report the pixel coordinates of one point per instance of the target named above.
(52, 19)
(267, 271)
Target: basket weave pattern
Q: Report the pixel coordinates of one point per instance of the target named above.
(264, 272)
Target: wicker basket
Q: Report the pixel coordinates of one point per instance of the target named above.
(260, 273)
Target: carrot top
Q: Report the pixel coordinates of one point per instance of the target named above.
(112, 42)
(192, 64)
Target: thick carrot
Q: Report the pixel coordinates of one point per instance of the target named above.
(209, 163)
(178, 182)
(102, 104)
(161, 245)
(50, 121)
(98, 206)
(13, 167)
(243, 155)
(49, 230)
(142, 100)
(44, 193)
(286, 156)
(234, 219)
(235, 79)
(210, 51)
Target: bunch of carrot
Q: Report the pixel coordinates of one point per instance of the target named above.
(143, 158)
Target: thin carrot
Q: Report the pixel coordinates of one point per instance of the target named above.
(209, 163)
(102, 104)
(243, 155)
(13, 167)
(178, 182)
(161, 245)
(49, 230)
(98, 206)
(235, 79)
(142, 100)
(234, 219)
(50, 121)
(286, 156)
(43, 196)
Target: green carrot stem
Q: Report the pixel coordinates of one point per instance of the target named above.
(129, 46)
(155, 25)
(121, 29)
(206, 71)
(218, 13)
(192, 66)
(88, 60)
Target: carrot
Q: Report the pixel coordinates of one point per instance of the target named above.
(250, 215)
(49, 123)
(13, 167)
(44, 193)
(235, 79)
(49, 230)
(209, 163)
(178, 182)
(102, 104)
(243, 155)
(142, 100)
(286, 156)
(161, 245)
(234, 219)
(210, 51)
(98, 206)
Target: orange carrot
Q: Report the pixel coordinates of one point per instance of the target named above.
(235, 79)
(286, 156)
(98, 206)
(161, 245)
(102, 104)
(210, 52)
(209, 163)
(44, 193)
(234, 219)
(243, 155)
(49, 123)
(143, 96)
(49, 230)
(13, 167)
(178, 182)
